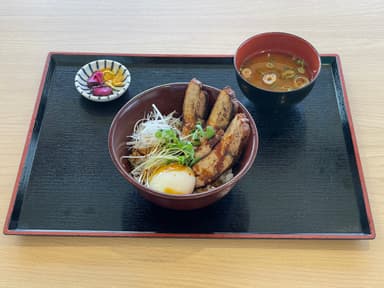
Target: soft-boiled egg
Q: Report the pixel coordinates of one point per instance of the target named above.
(173, 179)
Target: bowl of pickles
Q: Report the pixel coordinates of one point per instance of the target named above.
(102, 80)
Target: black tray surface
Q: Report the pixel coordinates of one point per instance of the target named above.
(305, 182)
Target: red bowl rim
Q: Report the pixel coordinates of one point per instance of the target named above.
(131, 180)
(277, 34)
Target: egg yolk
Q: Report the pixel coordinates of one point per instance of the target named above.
(174, 179)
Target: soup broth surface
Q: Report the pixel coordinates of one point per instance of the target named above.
(276, 71)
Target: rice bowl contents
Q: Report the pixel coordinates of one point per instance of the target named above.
(192, 153)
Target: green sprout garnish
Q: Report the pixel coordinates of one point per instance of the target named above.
(199, 133)
(182, 150)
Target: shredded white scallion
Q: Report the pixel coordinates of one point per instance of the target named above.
(150, 153)
(143, 135)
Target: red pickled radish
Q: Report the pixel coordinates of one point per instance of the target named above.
(102, 91)
(95, 79)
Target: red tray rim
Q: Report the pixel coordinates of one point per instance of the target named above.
(356, 236)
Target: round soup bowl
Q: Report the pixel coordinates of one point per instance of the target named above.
(277, 42)
(169, 98)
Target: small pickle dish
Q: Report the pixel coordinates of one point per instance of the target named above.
(102, 80)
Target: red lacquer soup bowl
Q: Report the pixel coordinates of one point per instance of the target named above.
(277, 42)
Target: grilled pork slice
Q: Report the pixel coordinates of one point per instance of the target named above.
(206, 145)
(225, 153)
(219, 118)
(223, 109)
(194, 106)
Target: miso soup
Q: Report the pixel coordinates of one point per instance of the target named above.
(276, 71)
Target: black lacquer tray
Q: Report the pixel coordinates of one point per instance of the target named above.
(306, 182)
